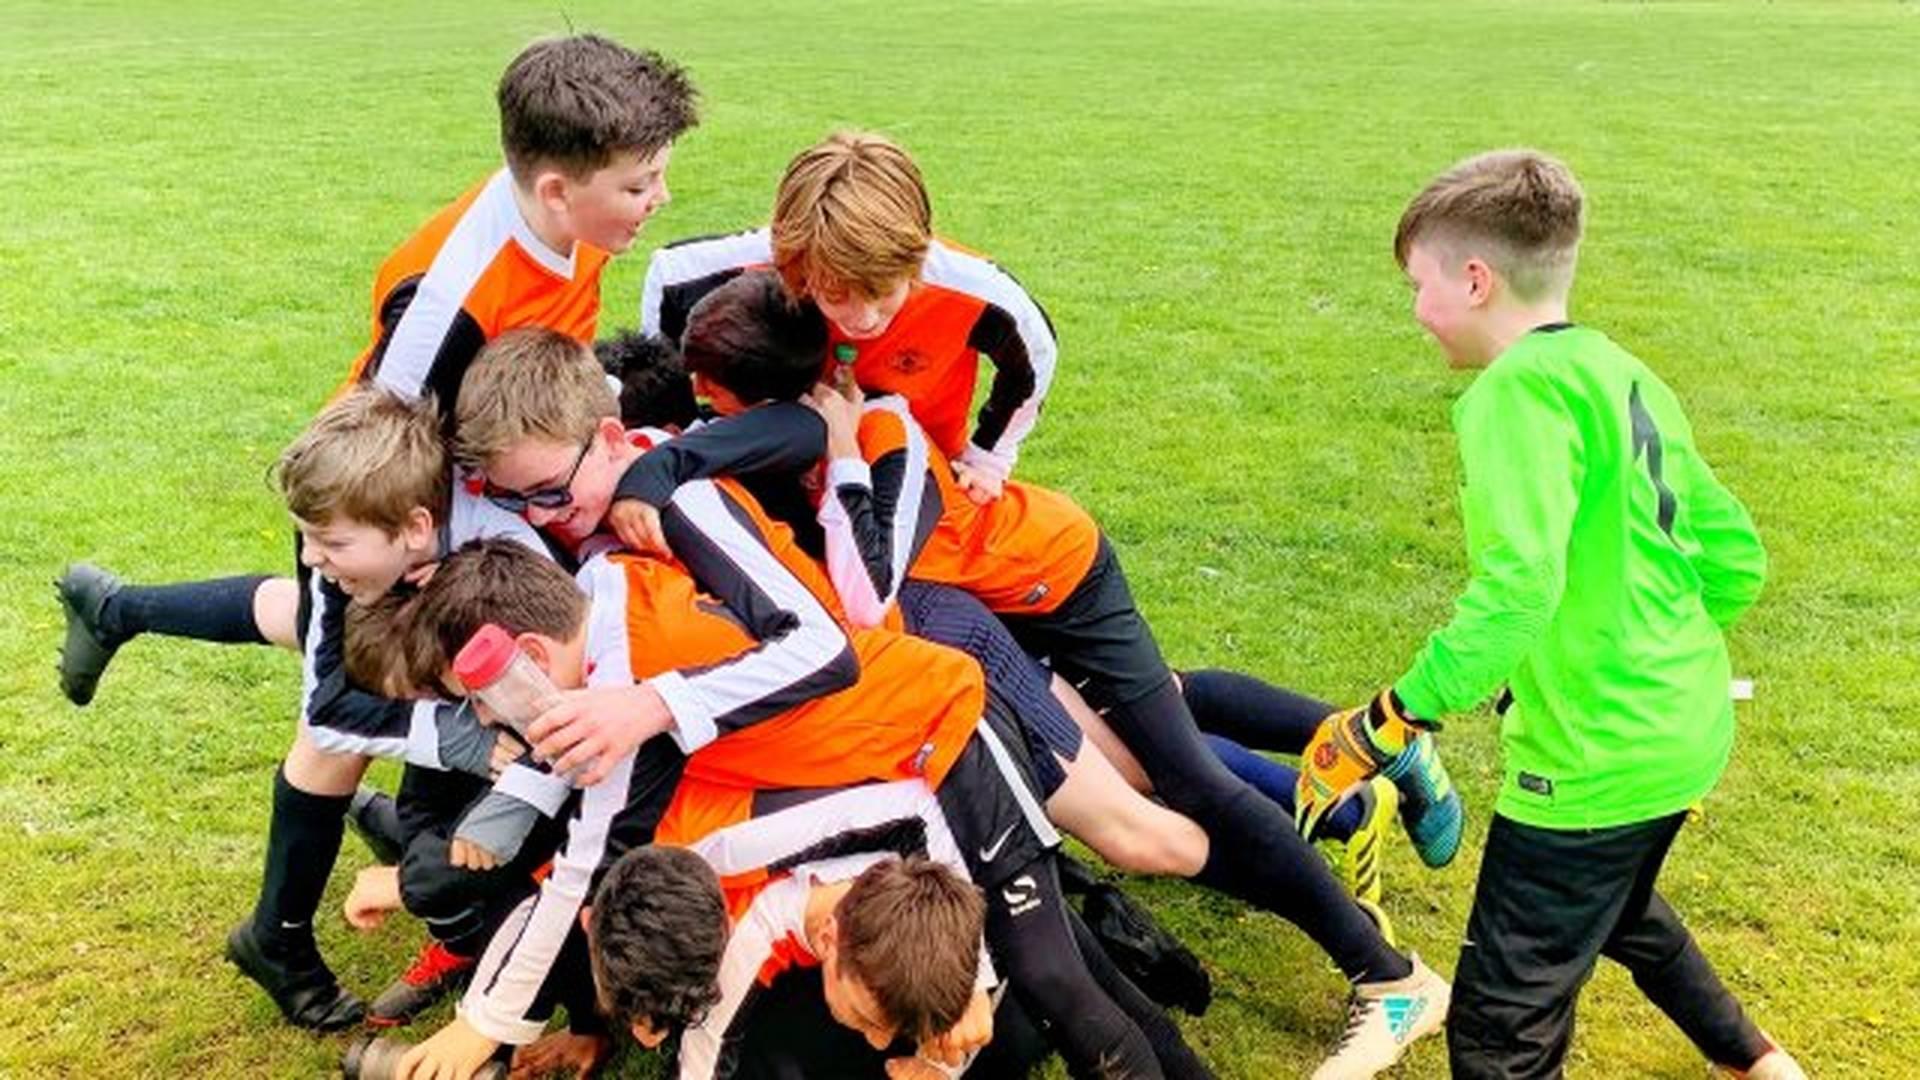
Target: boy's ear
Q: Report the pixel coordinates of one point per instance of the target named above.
(645, 1035)
(552, 189)
(586, 921)
(611, 431)
(1480, 278)
(539, 649)
(419, 530)
(829, 938)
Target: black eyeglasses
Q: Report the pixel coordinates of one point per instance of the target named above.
(548, 498)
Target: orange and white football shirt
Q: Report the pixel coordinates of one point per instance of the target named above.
(474, 271)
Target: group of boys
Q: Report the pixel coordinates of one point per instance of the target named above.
(828, 683)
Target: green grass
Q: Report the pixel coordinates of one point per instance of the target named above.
(1203, 197)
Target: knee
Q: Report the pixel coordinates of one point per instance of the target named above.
(319, 772)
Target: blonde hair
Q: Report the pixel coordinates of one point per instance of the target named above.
(852, 211)
(371, 457)
(531, 383)
(1520, 210)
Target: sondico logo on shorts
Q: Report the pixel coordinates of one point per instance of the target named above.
(1022, 894)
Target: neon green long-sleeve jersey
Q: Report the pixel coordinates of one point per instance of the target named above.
(1607, 560)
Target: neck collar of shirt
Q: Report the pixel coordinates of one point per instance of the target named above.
(558, 264)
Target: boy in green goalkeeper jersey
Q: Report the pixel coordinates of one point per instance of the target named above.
(1607, 563)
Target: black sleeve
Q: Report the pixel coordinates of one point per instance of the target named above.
(802, 652)
(871, 512)
(782, 437)
(452, 356)
(677, 300)
(1014, 378)
(338, 715)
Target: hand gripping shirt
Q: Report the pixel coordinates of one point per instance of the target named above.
(1606, 561)
(896, 512)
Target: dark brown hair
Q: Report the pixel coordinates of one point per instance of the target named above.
(487, 581)
(1520, 210)
(755, 341)
(654, 388)
(658, 932)
(375, 643)
(573, 102)
(909, 931)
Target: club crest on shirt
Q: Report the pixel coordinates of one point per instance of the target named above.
(910, 361)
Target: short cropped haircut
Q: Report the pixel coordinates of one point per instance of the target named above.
(371, 457)
(1520, 210)
(530, 383)
(486, 581)
(755, 341)
(658, 930)
(654, 388)
(572, 103)
(852, 212)
(909, 931)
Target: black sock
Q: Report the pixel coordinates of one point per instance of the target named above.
(1265, 862)
(302, 843)
(217, 610)
(1033, 945)
(1254, 851)
(1254, 713)
(1176, 1058)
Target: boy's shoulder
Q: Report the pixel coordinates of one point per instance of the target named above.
(464, 240)
(1565, 361)
(965, 271)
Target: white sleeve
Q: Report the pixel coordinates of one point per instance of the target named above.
(522, 952)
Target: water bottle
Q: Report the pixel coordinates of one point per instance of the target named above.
(504, 679)
(370, 1057)
(845, 355)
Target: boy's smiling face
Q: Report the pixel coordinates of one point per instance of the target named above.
(365, 560)
(608, 208)
(587, 474)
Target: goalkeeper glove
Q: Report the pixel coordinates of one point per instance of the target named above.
(1349, 748)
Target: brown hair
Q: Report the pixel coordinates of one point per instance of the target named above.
(376, 643)
(1520, 210)
(371, 457)
(530, 383)
(659, 932)
(909, 931)
(486, 581)
(851, 211)
(755, 341)
(574, 102)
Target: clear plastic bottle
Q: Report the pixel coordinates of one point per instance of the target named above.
(504, 679)
(370, 1057)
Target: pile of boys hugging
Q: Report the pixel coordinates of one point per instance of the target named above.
(810, 686)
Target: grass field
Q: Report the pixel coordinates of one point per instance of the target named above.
(1203, 196)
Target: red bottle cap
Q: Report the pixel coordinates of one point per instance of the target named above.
(484, 657)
